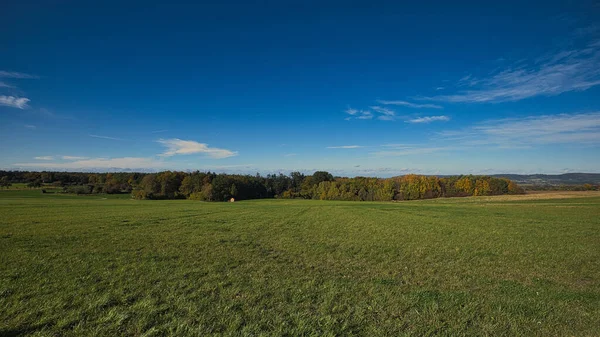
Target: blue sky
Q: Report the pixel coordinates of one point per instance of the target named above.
(356, 88)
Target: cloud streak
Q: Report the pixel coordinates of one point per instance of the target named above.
(379, 112)
(358, 114)
(346, 147)
(577, 128)
(551, 75)
(72, 158)
(105, 137)
(14, 74)
(409, 150)
(384, 111)
(98, 163)
(428, 119)
(351, 111)
(410, 105)
(177, 146)
(14, 102)
(385, 114)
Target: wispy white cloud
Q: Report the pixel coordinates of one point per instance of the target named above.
(223, 167)
(358, 114)
(407, 151)
(376, 111)
(383, 110)
(429, 119)
(30, 127)
(105, 137)
(385, 114)
(468, 80)
(15, 102)
(5, 85)
(365, 115)
(98, 163)
(14, 74)
(346, 147)
(61, 157)
(351, 111)
(177, 146)
(404, 146)
(410, 105)
(550, 75)
(578, 128)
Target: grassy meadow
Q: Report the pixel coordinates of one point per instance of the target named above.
(109, 266)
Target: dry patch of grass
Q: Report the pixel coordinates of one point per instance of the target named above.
(542, 195)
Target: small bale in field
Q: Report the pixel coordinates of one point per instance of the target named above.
(232, 200)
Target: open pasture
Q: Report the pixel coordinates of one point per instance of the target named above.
(107, 266)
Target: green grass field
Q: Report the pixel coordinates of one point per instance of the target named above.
(110, 266)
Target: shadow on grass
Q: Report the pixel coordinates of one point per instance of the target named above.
(20, 331)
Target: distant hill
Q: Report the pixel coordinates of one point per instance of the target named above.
(553, 179)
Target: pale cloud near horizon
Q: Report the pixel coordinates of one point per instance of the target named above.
(30, 127)
(410, 150)
(410, 105)
(345, 147)
(174, 146)
(61, 157)
(98, 163)
(399, 145)
(550, 75)
(14, 74)
(574, 128)
(228, 166)
(177, 146)
(15, 102)
(105, 137)
(73, 158)
(580, 129)
(428, 119)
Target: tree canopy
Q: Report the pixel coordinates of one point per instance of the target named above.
(208, 186)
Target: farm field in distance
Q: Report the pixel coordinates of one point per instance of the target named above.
(106, 265)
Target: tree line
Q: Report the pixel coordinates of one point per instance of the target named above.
(570, 187)
(321, 185)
